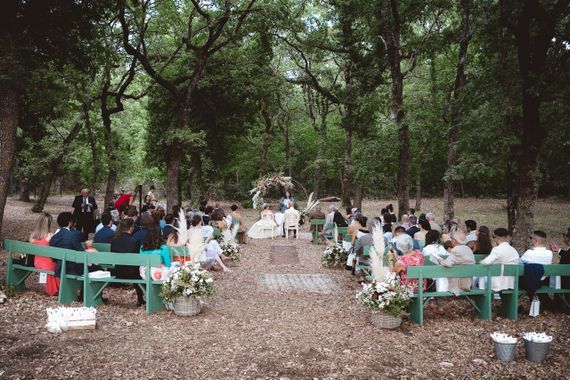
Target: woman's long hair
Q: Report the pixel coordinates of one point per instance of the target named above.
(42, 227)
(153, 239)
(124, 227)
(484, 244)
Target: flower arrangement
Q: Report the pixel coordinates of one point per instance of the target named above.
(537, 337)
(334, 255)
(389, 296)
(263, 184)
(231, 250)
(503, 338)
(188, 280)
(306, 212)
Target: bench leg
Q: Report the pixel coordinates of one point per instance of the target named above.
(417, 310)
(153, 299)
(510, 305)
(92, 293)
(17, 278)
(484, 305)
(68, 289)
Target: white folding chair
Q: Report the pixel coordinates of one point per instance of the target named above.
(291, 223)
(268, 224)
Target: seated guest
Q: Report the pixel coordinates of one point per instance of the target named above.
(410, 257)
(217, 219)
(101, 225)
(430, 217)
(483, 245)
(89, 246)
(41, 235)
(169, 227)
(105, 234)
(338, 219)
(154, 245)
(364, 241)
(387, 226)
(400, 230)
(405, 221)
(412, 211)
(411, 231)
(471, 237)
(432, 246)
(328, 228)
(206, 217)
(503, 253)
(349, 215)
(538, 254)
(68, 238)
(564, 259)
(460, 254)
(317, 213)
(147, 222)
(420, 236)
(213, 254)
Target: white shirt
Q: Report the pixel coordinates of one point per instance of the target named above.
(100, 225)
(434, 249)
(502, 254)
(537, 255)
(471, 236)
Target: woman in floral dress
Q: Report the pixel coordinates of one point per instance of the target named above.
(410, 257)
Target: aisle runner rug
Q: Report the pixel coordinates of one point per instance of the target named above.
(284, 255)
(314, 283)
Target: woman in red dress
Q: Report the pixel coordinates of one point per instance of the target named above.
(41, 236)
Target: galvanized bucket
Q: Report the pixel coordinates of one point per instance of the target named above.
(536, 352)
(505, 351)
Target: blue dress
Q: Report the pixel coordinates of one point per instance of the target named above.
(164, 253)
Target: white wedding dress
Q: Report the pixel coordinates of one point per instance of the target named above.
(268, 226)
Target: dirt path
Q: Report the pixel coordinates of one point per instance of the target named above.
(249, 331)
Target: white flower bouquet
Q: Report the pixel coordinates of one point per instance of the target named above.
(537, 337)
(503, 338)
(188, 280)
(389, 296)
(334, 255)
(231, 250)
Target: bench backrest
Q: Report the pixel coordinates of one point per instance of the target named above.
(113, 258)
(14, 246)
(438, 271)
(549, 270)
(179, 251)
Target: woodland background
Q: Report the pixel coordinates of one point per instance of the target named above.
(355, 98)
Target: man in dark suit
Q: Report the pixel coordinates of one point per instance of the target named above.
(68, 238)
(83, 209)
(414, 226)
(169, 228)
(105, 234)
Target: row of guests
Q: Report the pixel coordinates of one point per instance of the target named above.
(453, 247)
(149, 239)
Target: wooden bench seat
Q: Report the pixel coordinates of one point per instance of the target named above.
(510, 298)
(70, 284)
(480, 299)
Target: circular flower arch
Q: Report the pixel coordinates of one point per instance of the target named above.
(265, 183)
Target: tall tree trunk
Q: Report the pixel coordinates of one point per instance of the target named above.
(345, 183)
(358, 195)
(397, 113)
(452, 137)
(9, 111)
(111, 159)
(321, 149)
(53, 164)
(198, 184)
(533, 29)
(94, 153)
(266, 138)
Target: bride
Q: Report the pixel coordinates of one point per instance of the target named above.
(268, 226)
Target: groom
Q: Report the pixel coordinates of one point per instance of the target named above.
(84, 206)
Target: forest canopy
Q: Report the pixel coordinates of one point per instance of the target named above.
(354, 98)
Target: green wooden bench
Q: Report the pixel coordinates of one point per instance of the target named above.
(342, 233)
(93, 287)
(510, 298)
(480, 299)
(319, 225)
(478, 259)
(70, 284)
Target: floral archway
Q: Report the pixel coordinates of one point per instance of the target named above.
(265, 183)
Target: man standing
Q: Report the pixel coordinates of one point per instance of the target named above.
(83, 207)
